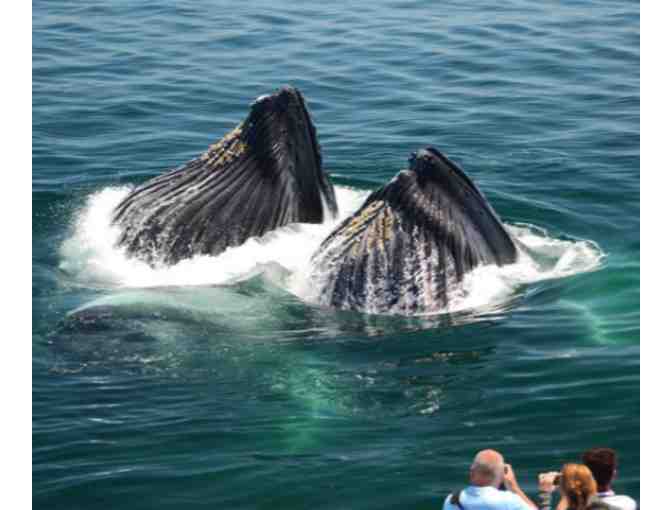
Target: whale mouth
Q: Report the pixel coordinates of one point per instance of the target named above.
(326, 187)
(410, 245)
(433, 170)
(264, 174)
(285, 121)
(288, 108)
(430, 159)
(312, 133)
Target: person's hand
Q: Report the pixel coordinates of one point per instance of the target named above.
(546, 481)
(510, 478)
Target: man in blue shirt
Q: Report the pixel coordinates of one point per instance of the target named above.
(487, 473)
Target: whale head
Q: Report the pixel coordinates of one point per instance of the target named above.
(482, 230)
(409, 246)
(264, 174)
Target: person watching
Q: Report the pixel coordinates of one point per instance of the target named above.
(578, 489)
(602, 463)
(488, 472)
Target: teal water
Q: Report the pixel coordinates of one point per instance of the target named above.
(216, 384)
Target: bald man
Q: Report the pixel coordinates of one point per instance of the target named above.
(487, 473)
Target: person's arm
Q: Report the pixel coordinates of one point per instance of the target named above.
(546, 488)
(512, 484)
(545, 500)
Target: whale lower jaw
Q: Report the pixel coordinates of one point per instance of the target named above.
(387, 267)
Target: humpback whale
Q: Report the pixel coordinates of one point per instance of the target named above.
(407, 249)
(265, 173)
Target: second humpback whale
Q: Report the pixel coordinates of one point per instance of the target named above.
(407, 249)
(264, 174)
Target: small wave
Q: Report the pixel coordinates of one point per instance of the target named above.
(91, 256)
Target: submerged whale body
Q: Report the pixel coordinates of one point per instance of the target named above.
(264, 174)
(407, 249)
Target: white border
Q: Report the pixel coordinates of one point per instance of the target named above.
(16, 214)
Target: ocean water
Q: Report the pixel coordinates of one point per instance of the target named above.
(219, 383)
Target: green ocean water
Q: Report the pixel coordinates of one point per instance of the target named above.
(216, 383)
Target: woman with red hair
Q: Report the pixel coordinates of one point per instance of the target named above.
(577, 488)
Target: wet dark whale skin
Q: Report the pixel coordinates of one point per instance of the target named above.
(264, 174)
(407, 249)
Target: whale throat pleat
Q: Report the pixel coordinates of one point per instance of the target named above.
(205, 207)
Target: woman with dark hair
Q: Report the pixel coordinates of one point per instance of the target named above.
(577, 488)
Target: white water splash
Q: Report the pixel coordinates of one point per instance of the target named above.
(541, 257)
(91, 256)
